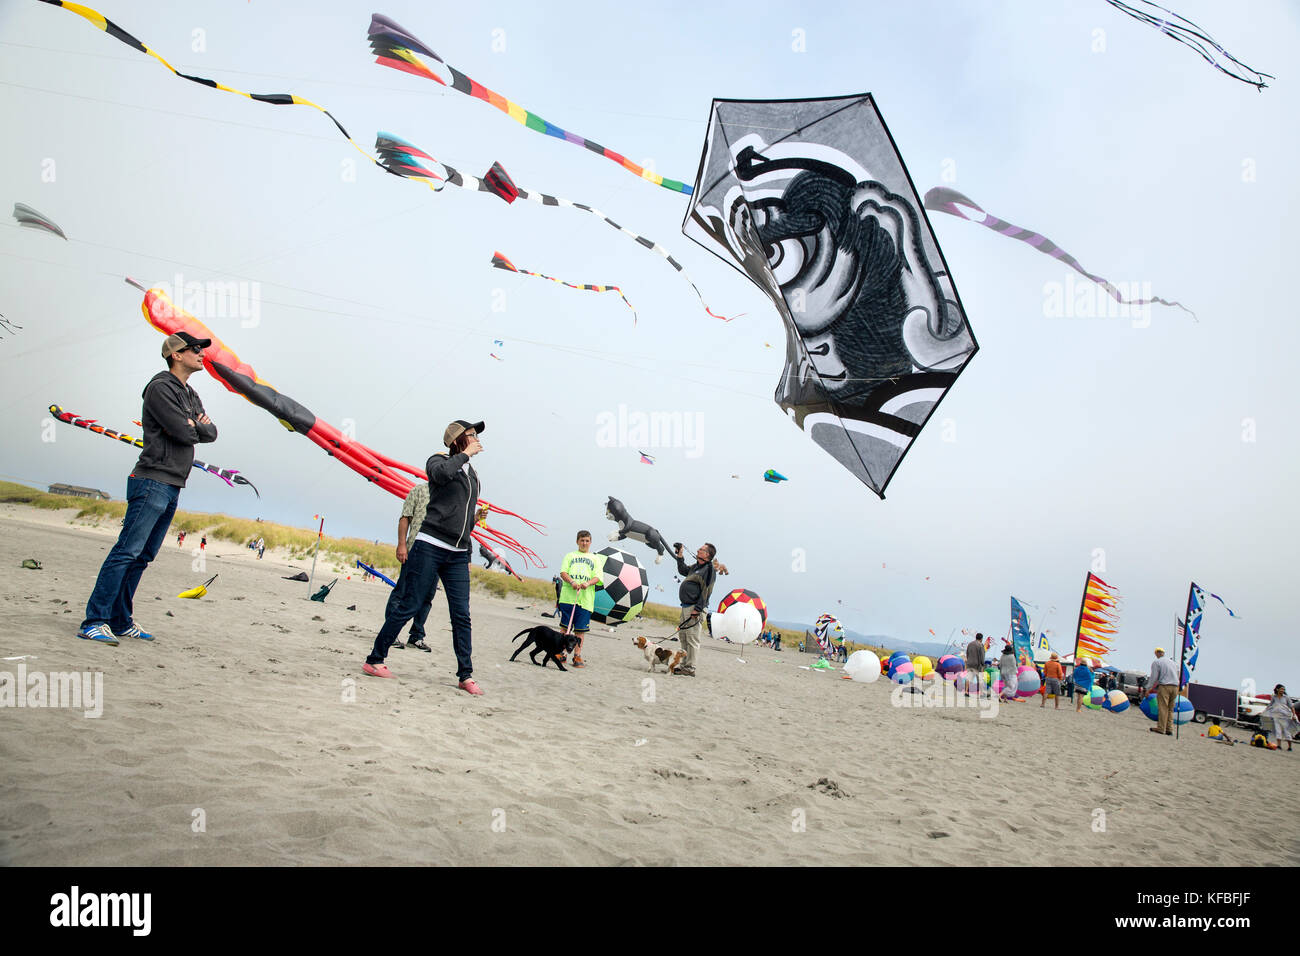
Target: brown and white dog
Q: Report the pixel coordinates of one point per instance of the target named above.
(659, 655)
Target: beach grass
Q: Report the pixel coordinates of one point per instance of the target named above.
(340, 554)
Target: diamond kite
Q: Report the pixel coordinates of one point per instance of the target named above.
(811, 201)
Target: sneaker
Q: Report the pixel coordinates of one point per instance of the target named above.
(469, 687)
(578, 662)
(420, 645)
(398, 645)
(98, 632)
(685, 671)
(134, 631)
(376, 670)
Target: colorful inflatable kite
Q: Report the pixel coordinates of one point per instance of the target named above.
(744, 596)
(942, 199)
(774, 476)
(501, 262)
(811, 200)
(240, 378)
(229, 475)
(404, 159)
(1189, 34)
(394, 47)
(27, 216)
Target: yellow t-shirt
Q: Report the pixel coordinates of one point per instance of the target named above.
(581, 567)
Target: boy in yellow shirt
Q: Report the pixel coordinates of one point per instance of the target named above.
(581, 574)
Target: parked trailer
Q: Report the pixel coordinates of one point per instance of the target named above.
(1217, 702)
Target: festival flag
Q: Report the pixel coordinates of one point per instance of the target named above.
(1098, 619)
(1021, 637)
(1190, 645)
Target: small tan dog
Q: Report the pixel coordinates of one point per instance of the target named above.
(659, 655)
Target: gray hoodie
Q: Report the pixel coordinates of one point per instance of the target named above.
(169, 440)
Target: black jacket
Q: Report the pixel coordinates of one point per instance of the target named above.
(697, 584)
(169, 440)
(453, 499)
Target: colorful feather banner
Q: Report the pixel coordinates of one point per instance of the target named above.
(229, 475)
(395, 47)
(404, 159)
(1098, 619)
(942, 199)
(501, 262)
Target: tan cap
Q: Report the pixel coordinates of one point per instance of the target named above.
(181, 341)
(458, 428)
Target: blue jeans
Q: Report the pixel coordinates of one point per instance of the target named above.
(424, 566)
(422, 615)
(149, 508)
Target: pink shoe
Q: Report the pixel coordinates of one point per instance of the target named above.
(469, 687)
(376, 670)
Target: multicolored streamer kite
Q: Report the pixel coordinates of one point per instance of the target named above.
(239, 377)
(1098, 619)
(404, 159)
(501, 262)
(942, 199)
(229, 475)
(97, 19)
(395, 47)
(27, 216)
(1189, 34)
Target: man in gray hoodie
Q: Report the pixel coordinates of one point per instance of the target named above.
(174, 422)
(975, 664)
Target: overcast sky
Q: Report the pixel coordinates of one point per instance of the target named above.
(1161, 448)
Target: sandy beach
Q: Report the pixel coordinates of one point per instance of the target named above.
(247, 734)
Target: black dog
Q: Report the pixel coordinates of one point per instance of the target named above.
(548, 640)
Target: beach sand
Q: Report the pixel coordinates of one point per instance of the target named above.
(247, 734)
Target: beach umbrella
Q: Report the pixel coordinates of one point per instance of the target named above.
(743, 596)
(1116, 702)
(626, 587)
(863, 666)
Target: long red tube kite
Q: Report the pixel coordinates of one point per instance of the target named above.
(240, 377)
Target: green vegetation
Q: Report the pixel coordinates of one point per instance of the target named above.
(339, 553)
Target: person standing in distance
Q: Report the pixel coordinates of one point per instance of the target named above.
(174, 422)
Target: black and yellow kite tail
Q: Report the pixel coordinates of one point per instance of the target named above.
(97, 19)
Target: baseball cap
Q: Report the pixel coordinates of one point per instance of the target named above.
(182, 340)
(458, 428)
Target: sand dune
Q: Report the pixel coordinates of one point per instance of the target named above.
(247, 734)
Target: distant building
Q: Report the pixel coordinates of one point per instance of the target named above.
(78, 491)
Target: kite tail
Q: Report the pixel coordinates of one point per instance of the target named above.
(353, 456)
(497, 509)
(501, 262)
(97, 19)
(400, 465)
(949, 201)
(1191, 36)
(398, 48)
(506, 541)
